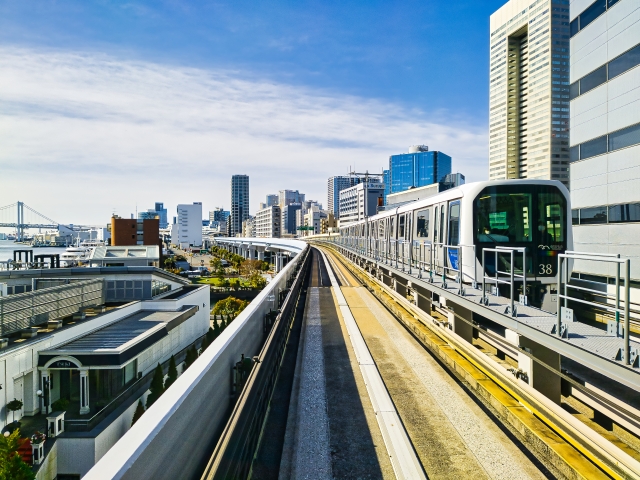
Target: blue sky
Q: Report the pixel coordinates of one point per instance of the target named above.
(131, 90)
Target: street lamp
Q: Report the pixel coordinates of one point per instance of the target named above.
(44, 394)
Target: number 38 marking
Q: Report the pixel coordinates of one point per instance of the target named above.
(545, 269)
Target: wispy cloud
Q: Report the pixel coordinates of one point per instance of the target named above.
(89, 133)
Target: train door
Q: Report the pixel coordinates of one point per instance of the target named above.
(440, 235)
(392, 236)
(408, 235)
(453, 235)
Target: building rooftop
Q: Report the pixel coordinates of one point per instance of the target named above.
(117, 343)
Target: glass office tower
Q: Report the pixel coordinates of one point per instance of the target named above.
(418, 168)
(239, 202)
(529, 90)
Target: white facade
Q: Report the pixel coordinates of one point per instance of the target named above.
(528, 90)
(249, 227)
(188, 226)
(334, 186)
(605, 132)
(354, 207)
(268, 222)
(313, 218)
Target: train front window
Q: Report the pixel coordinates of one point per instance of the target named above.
(551, 218)
(504, 218)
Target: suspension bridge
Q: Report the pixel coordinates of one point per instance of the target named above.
(21, 217)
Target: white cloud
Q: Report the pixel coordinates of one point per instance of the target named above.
(84, 134)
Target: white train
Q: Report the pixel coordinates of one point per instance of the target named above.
(457, 224)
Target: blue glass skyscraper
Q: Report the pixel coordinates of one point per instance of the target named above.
(418, 168)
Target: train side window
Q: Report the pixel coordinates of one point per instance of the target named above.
(441, 223)
(392, 228)
(401, 223)
(422, 224)
(454, 223)
(435, 225)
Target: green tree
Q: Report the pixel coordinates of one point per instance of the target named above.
(13, 406)
(192, 356)
(138, 413)
(216, 328)
(12, 467)
(257, 281)
(157, 386)
(205, 343)
(172, 374)
(229, 306)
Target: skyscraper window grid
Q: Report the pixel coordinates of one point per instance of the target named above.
(239, 202)
(529, 92)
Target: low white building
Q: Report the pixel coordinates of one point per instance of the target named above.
(268, 222)
(354, 207)
(187, 230)
(100, 365)
(249, 227)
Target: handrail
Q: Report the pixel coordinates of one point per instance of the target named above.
(563, 286)
(512, 275)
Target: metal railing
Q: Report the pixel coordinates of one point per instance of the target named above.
(564, 287)
(512, 276)
(24, 310)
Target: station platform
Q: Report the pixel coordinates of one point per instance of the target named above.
(338, 424)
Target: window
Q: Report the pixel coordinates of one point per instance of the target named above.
(435, 226)
(504, 218)
(574, 90)
(454, 223)
(593, 215)
(401, 221)
(574, 153)
(629, 212)
(551, 212)
(422, 223)
(575, 216)
(624, 138)
(441, 224)
(624, 62)
(594, 147)
(593, 80)
(596, 9)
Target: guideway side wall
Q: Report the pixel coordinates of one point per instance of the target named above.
(176, 436)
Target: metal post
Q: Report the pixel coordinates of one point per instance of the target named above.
(627, 292)
(558, 314)
(617, 314)
(484, 295)
(524, 272)
(512, 271)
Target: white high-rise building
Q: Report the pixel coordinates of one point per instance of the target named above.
(605, 132)
(268, 222)
(334, 186)
(529, 90)
(187, 231)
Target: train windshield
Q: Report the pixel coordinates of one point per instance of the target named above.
(531, 216)
(504, 218)
(511, 215)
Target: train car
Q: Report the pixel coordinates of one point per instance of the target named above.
(451, 230)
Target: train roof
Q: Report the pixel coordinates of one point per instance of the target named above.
(468, 189)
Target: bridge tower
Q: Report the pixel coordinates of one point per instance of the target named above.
(20, 223)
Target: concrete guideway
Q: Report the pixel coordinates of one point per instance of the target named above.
(331, 427)
(452, 435)
(403, 458)
(569, 448)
